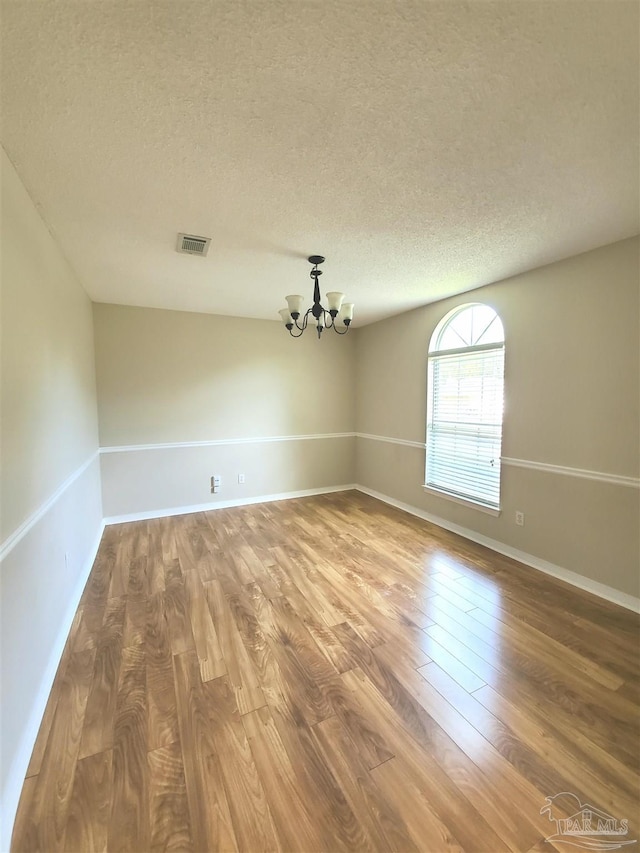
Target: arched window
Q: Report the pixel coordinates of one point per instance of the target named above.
(464, 405)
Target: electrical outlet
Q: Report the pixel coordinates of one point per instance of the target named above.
(241, 478)
(519, 518)
(215, 484)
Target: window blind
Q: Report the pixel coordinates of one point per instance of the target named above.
(464, 428)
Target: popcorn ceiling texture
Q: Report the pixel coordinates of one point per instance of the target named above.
(425, 148)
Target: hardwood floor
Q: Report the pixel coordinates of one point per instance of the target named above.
(329, 674)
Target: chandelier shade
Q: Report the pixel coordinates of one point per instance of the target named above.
(319, 316)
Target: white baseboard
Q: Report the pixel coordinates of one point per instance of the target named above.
(20, 764)
(258, 499)
(616, 596)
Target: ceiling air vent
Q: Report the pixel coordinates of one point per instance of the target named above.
(190, 245)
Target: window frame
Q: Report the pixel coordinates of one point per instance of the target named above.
(435, 353)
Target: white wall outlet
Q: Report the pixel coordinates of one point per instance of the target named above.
(215, 484)
(241, 478)
(519, 518)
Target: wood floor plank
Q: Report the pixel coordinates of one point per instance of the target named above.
(96, 591)
(210, 656)
(84, 633)
(602, 784)
(161, 699)
(248, 804)
(547, 645)
(135, 622)
(605, 746)
(511, 802)
(89, 809)
(177, 610)
(169, 546)
(169, 823)
(610, 708)
(44, 731)
(241, 672)
(243, 610)
(323, 635)
(334, 817)
(155, 563)
(209, 814)
(457, 786)
(304, 672)
(281, 789)
(350, 606)
(526, 675)
(54, 786)
(302, 577)
(328, 674)
(189, 543)
(129, 818)
(463, 674)
(99, 718)
(489, 742)
(119, 569)
(366, 730)
(26, 826)
(474, 662)
(217, 815)
(112, 627)
(279, 582)
(385, 828)
(427, 830)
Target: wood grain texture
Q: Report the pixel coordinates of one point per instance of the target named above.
(328, 674)
(129, 819)
(274, 764)
(169, 823)
(54, 786)
(161, 698)
(90, 806)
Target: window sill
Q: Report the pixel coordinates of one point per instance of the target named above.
(488, 510)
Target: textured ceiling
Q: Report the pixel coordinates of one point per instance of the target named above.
(425, 148)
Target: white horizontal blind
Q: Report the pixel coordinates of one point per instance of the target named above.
(464, 429)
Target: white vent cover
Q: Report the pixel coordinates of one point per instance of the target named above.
(188, 244)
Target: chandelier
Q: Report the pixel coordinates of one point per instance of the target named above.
(323, 318)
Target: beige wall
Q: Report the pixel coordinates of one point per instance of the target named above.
(175, 377)
(48, 433)
(48, 419)
(572, 390)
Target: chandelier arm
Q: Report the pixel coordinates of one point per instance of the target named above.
(299, 333)
(305, 320)
(335, 329)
